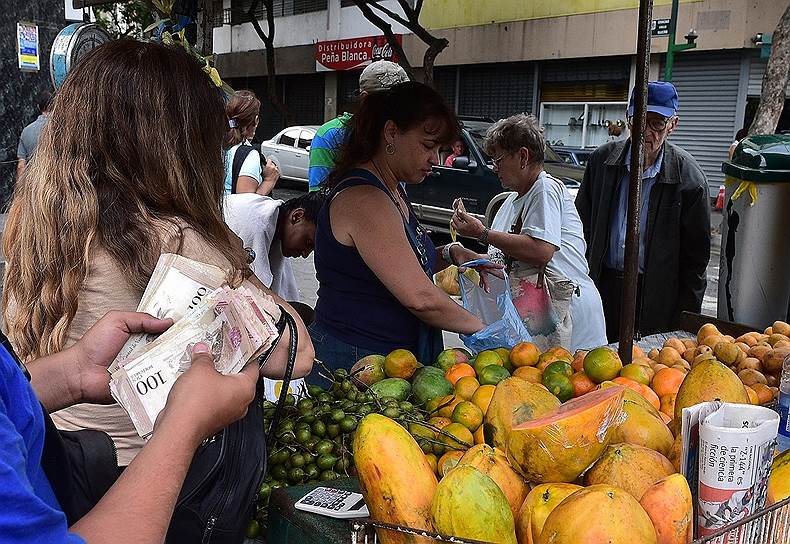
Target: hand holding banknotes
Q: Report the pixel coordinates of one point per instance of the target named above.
(206, 401)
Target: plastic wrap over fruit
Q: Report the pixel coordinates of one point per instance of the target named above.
(561, 445)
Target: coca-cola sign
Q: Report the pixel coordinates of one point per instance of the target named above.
(353, 53)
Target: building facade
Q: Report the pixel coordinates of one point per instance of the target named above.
(570, 62)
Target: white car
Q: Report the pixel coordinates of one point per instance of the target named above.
(289, 150)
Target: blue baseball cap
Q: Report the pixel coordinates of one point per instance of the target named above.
(662, 98)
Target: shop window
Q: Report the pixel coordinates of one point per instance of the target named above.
(582, 124)
(281, 8)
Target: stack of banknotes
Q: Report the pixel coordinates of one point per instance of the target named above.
(238, 324)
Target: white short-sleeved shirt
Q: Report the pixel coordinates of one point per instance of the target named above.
(254, 219)
(548, 213)
(250, 167)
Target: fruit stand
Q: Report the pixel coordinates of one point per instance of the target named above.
(428, 431)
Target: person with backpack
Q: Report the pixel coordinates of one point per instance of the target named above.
(243, 171)
(138, 507)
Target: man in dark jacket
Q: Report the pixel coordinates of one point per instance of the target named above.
(674, 245)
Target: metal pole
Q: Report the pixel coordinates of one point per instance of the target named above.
(673, 28)
(631, 255)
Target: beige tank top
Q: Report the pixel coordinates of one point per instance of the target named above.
(105, 289)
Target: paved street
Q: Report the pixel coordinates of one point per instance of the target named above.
(304, 270)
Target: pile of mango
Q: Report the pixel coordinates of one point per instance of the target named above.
(519, 446)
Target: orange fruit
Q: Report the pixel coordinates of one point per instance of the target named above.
(753, 398)
(466, 386)
(446, 408)
(456, 436)
(578, 360)
(524, 354)
(431, 458)
(478, 436)
(642, 389)
(458, 371)
(469, 415)
(529, 373)
(667, 381)
(400, 363)
(602, 364)
(448, 461)
(485, 358)
(482, 397)
(552, 355)
(764, 393)
(439, 422)
(638, 373)
(581, 384)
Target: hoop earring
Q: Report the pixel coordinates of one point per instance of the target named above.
(389, 149)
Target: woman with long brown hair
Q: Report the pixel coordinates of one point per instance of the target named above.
(129, 167)
(373, 259)
(243, 172)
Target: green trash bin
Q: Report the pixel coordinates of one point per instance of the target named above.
(754, 272)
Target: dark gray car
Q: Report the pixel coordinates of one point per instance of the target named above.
(472, 179)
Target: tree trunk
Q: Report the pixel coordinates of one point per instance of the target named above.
(386, 29)
(772, 97)
(207, 28)
(436, 47)
(271, 69)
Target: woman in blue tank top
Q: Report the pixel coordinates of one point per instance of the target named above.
(373, 260)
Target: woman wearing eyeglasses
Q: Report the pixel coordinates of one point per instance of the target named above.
(373, 260)
(537, 234)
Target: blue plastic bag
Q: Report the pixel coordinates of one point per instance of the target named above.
(504, 328)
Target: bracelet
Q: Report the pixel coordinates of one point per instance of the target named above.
(484, 236)
(446, 252)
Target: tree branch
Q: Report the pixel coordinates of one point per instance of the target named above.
(389, 13)
(386, 28)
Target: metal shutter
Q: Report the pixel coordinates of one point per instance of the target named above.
(347, 88)
(444, 82)
(607, 69)
(304, 96)
(756, 71)
(707, 85)
(496, 90)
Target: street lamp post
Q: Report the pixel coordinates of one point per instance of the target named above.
(673, 47)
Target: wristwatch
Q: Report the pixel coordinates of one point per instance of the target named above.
(446, 251)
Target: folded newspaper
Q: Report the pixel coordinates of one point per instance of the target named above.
(726, 457)
(238, 324)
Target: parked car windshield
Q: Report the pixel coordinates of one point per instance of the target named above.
(477, 130)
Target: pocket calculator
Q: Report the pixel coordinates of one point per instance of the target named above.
(335, 503)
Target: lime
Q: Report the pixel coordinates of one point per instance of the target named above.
(279, 457)
(305, 405)
(296, 475)
(324, 447)
(290, 400)
(253, 529)
(328, 475)
(319, 428)
(297, 460)
(559, 385)
(279, 472)
(337, 415)
(313, 391)
(348, 424)
(560, 367)
(264, 492)
(326, 461)
(493, 374)
(333, 430)
(311, 471)
(303, 435)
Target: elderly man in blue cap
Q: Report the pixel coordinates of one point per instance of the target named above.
(674, 230)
